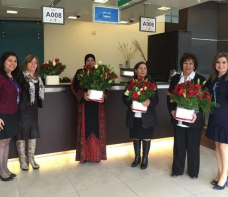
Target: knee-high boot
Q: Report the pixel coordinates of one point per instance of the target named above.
(21, 154)
(146, 149)
(137, 148)
(31, 153)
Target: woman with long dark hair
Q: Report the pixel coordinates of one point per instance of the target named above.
(9, 117)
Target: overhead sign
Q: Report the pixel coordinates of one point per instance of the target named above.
(147, 24)
(105, 14)
(53, 15)
(123, 2)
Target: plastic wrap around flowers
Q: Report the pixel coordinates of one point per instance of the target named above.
(54, 67)
(140, 89)
(190, 96)
(98, 77)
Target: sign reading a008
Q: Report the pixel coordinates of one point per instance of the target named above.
(53, 15)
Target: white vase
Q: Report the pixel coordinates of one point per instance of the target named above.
(52, 79)
(95, 95)
(185, 115)
(138, 107)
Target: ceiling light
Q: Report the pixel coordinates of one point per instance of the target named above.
(11, 12)
(72, 17)
(100, 1)
(164, 8)
(123, 22)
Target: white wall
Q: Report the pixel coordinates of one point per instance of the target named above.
(72, 41)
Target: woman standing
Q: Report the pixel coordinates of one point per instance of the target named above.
(217, 128)
(186, 135)
(91, 131)
(9, 118)
(141, 124)
(31, 98)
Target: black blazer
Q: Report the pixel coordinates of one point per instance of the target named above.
(25, 97)
(200, 120)
(149, 119)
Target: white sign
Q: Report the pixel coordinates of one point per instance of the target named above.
(147, 24)
(53, 15)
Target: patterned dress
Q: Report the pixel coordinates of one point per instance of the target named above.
(91, 129)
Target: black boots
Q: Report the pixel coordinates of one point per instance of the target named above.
(137, 148)
(146, 149)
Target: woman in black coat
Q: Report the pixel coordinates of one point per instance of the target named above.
(186, 135)
(141, 124)
(31, 98)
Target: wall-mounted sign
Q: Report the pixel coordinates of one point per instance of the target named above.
(123, 2)
(53, 15)
(105, 14)
(147, 24)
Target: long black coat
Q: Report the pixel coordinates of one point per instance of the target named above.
(149, 119)
(200, 121)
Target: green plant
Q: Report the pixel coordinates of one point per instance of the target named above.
(190, 96)
(97, 77)
(54, 67)
(65, 80)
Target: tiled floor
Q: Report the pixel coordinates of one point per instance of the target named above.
(62, 176)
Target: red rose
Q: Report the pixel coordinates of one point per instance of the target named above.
(56, 59)
(131, 80)
(140, 78)
(191, 92)
(144, 84)
(208, 98)
(167, 92)
(153, 86)
(135, 95)
(188, 95)
(130, 86)
(100, 67)
(115, 76)
(108, 70)
(148, 90)
(104, 76)
(207, 93)
(189, 82)
(199, 96)
(198, 86)
(142, 92)
(181, 92)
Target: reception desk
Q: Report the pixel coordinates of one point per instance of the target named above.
(58, 119)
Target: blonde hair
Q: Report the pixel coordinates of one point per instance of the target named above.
(214, 72)
(28, 59)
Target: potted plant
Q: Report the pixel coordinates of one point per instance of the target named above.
(138, 90)
(96, 79)
(52, 70)
(190, 98)
(65, 80)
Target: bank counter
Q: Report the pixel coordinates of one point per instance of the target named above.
(58, 119)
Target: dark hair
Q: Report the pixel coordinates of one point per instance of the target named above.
(88, 56)
(214, 72)
(137, 66)
(3, 58)
(187, 56)
(28, 59)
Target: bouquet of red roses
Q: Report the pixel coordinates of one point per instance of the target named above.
(191, 96)
(140, 89)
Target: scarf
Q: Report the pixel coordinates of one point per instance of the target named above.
(31, 82)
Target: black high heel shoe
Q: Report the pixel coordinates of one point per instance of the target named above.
(214, 182)
(218, 187)
(6, 179)
(12, 175)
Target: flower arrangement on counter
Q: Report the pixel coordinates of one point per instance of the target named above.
(140, 89)
(65, 80)
(97, 77)
(191, 96)
(54, 67)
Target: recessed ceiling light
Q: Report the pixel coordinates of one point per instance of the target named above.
(11, 12)
(123, 22)
(72, 17)
(164, 8)
(100, 1)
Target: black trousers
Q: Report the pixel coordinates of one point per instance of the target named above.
(186, 139)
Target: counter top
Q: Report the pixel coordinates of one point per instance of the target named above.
(117, 86)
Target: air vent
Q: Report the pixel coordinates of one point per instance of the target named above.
(53, 3)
